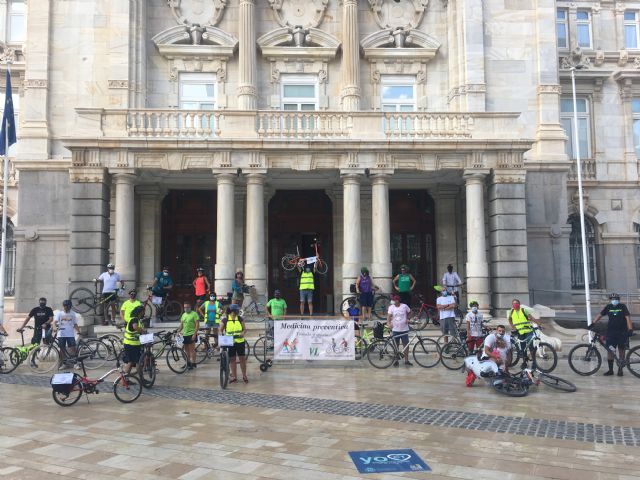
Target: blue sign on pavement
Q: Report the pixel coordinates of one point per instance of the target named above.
(382, 461)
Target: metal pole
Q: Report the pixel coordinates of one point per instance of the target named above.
(576, 142)
(3, 241)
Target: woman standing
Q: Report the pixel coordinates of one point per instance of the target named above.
(233, 324)
(237, 289)
(365, 289)
(404, 283)
(201, 286)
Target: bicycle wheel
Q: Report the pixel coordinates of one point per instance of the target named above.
(516, 355)
(263, 349)
(148, 310)
(82, 300)
(203, 350)
(173, 310)
(9, 359)
(321, 266)
(288, 262)
(585, 359)
(381, 353)
(224, 368)
(453, 355)
(426, 353)
(511, 387)
(177, 360)
(546, 358)
(44, 359)
(419, 320)
(127, 389)
(381, 306)
(113, 343)
(345, 305)
(97, 351)
(632, 361)
(360, 348)
(66, 399)
(147, 369)
(557, 382)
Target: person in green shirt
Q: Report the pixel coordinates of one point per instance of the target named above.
(128, 306)
(404, 283)
(189, 326)
(277, 308)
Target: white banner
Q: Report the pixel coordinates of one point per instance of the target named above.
(314, 340)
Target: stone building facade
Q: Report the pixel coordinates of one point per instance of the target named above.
(224, 133)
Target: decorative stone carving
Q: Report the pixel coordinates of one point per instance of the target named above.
(575, 59)
(391, 14)
(175, 41)
(118, 84)
(197, 12)
(622, 59)
(299, 13)
(7, 54)
(557, 89)
(636, 62)
(297, 43)
(35, 83)
(599, 60)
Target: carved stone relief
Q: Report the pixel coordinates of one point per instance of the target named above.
(197, 12)
(392, 14)
(299, 13)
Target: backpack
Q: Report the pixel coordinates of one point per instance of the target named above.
(378, 330)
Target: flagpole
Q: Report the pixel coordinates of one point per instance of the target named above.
(3, 241)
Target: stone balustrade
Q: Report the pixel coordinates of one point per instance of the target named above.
(588, 166)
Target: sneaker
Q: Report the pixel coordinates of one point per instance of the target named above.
(396, 363)
(194, 365)
(76, 367)
(408, 364)
(620, 373)
(608, 373)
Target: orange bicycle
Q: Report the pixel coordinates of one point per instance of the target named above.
(291, 261)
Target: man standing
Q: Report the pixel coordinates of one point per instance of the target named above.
(189, 326)
(307, 286)
(131, 340)
(446, 305)
(129, 305)
(109, 280)
(451, 281)
(619, 329)
(404, 283)
(520, 321)
(162, 285)
(474, 320)
(67, 324)
(42, 317)
(277, 308)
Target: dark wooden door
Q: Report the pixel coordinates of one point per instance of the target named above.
(295, 219)
(188, 237)
(413, 237)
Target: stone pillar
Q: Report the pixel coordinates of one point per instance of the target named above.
(125, 226)
(477, 266)
(381, 232)
(225, 228)
(150, 200)
(247, 96)
(508, 233)
(352, 231)
(350, 56)
(474, 56)
(89, 240)
(255, 268)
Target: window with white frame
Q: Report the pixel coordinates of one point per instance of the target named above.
(562, 27)
(16, 116)
(583, 28)
(299, 93)
(197, 91)
(631, 29)
(635, 108)
(398, 93)
(15, 26)
(584, 126)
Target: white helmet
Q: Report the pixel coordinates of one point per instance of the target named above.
(111, 265)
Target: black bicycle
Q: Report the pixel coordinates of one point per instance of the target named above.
(545, 356)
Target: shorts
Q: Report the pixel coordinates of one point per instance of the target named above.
(187, 339)
(448, 325)
(617, 339)
(366, 299)
(306, 295)
(213, 324)
(132, 353)
(356, 326)
(401, 336)
(237, 298)
(65, 342)
(37, 336)
(405, 297)
(474, 342)
(237, 350)
(109, 296)
(201, 298)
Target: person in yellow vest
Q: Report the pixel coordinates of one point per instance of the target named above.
(211, 311)
(131, 340)
(129, 305)
(233, 324)
(520, 321)
(307, 286)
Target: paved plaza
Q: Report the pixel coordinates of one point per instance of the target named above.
(300, 421)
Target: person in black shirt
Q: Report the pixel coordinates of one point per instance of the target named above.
(42, 315)
(619, 329)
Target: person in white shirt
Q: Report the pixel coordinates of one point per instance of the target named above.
(398, 321)
(446, 305)
(66, 324)
(451, 281)
(474, 320)
(110, 280)
(497, 347)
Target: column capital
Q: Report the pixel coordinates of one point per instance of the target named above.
(475, 175)
(124, 176)
(226, 178)
(381, 177)
(257, 177)
(354, 173)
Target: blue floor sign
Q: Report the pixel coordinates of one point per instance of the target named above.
(382, 461)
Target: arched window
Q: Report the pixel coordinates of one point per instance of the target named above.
(575, 253)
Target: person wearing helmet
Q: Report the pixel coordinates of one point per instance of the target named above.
(201, 287)
(162, 285)
(404, 283)
(474, 322)
(131, 339)
(129, 305)
(66, 323)
(619, 329)
(110, 282)
(365, 289)
(233, 324)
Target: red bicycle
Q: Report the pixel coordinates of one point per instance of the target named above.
(291, 261)
(423, 314)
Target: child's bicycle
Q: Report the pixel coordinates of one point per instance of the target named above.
(69, 387)
(39, 360)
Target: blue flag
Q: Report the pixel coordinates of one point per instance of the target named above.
(8, 132)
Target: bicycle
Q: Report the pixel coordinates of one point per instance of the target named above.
(67, 388)
(291, 261)
(585, 359)
(12, 357)
(424, 314)
(382, 353)
(545, 356)
(253, 308)
(166, 311)
(113, 342)
(204, 350)
(175, 357)
(83, 300)
(381, 302)
(536, 376)
(225, 342)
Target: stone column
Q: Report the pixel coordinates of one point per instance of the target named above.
(150, 199)
(477, 266)
(380, 232)
(474, 55)
(508, 233)
(125, 226)
(350, 56)
(247, 96)
(352, 231)
(255, 268)
(225, 266)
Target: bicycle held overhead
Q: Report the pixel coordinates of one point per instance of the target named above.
(291, 261)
